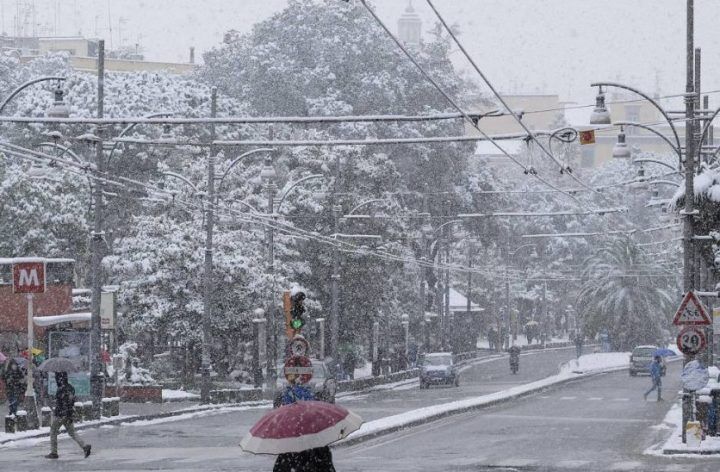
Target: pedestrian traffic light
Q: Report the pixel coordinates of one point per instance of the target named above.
(297, 310)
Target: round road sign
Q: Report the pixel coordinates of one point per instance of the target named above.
(691, 340)
(299, 346)
(298, 370)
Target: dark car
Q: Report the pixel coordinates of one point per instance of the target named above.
(322, 384)
(438, 368)
(641, 358)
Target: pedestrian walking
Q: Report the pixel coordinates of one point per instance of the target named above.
(311, 460)
(656, 376)
(14, 384)
(578, 345)
(63, 415)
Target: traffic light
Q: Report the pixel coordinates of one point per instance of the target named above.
(296, 311)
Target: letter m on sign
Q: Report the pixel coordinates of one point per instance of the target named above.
(29, 277)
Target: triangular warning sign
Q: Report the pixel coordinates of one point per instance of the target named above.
(691, 312)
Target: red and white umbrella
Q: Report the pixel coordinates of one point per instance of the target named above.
(300, 426)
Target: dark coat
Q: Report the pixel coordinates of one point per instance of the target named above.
(65, 401)
(312, 460)
(14, 380)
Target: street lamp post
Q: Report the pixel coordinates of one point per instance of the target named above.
(268, 176)
(208, 267)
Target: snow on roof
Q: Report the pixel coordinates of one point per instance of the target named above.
(438, 354)
(511, 146)
(458, 302)
(57, 319)
(20, 260)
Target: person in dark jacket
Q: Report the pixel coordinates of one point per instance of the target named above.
(14, 385)
(63, 415)
(310, 460)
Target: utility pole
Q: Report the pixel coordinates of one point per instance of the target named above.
(209, 226)
(446, 319)
(689, 210)
(98, 243)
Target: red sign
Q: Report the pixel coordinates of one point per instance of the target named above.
(691, 340)
(691, 312)
(29, 277)
(298, 369)
(587, 137)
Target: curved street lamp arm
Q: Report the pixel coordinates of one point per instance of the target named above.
(664, 182)
(445, 224)
(653, 131)
(366, 202)
(184, 179)
(654, 161)
(238, 160)
(65, 150)
(24, 86)
(294, 185)
(649, 99)
(129, 128)
(246, 204)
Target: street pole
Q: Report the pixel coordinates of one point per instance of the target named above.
(208, 270)
(272, 331)
(446, 319)
(30, 403)
(321, 337)
(688, 231)
(545, 314)
(98, 241)
(335, 277)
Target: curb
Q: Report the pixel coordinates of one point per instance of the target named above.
(490, 403)
(132, 419)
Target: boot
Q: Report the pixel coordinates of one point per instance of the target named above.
(52, 455)
(86, 449)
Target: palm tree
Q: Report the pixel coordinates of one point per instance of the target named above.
(627, 294)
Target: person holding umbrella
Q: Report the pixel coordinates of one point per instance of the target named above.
(64, 404)
(656, 377)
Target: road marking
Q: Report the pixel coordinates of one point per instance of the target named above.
(573, 464)
(578, 419)
(515, 463)
(621, 399)
(630, 465)
(595, 399)
(568, 398)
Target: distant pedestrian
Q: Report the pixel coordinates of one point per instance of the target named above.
(14, 384)
(656, 377)
(578, 345)
(64, 406)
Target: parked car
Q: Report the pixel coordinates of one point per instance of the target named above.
(641, 358)
(323, 385)
(438, 368)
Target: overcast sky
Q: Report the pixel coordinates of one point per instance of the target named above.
(527, 46)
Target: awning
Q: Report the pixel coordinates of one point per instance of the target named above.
(57, 319)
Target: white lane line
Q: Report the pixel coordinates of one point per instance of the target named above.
(576, 419)
(568, 398)
(621, 399)
(630, 465)
(570, 464)
(515, 463)
(595, 399)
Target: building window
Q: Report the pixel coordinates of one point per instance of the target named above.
(587, 159)
(632, 114)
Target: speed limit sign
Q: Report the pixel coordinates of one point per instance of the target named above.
(691, 340)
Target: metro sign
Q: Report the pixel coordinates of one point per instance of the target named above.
(29, 277)
(691, 312)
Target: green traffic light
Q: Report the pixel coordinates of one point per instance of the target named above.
(297, 323)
